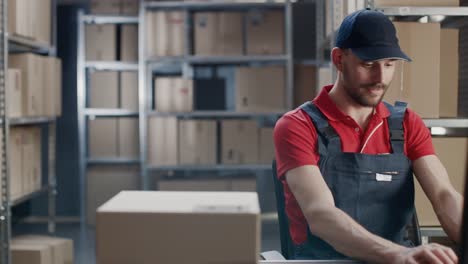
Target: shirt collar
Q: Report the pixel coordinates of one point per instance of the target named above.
(326, 105)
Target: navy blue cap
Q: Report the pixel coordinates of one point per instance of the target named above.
(370, 35)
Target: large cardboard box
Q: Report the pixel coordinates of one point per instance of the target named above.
(162, 141)
(32, 81)
(239, 139)
(260, 89)
(266, 146)
(102, 138)
(103, 90)
(101, 42)
(165, 32)
(305, 84)
(15, 162)
(265, 32)
(106, 181)
(197, 142)
(61, 248)
(129, 91)
(20, 19)
(41, 19)
(129, 43)
(379, 3)
(173, 94)
(14, 93)
(30, 254)
(129, 7)
(128, 136)
(52, 86)
(201, 220)
(421, 42)
(101, 7)
(218, 33)
(453, 153)
(449, 61)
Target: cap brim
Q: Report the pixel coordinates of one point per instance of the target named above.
(380, 53)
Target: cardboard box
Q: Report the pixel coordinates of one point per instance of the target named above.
(101, 42)
(197, 142)
(129, 91)
(15, 162)
(192, 185)
(128, 144)
(449, 61)
(14, 93)
(58, 87)
(20, 19)
(202, 220)
(265, 32)
(102, 138)
(32, 80)
(129, 43)
(266, 146)
(35, 134)
(173, 94)
(129, 7)
(165, 31)
(162, 141)
(52, 86)
(422, 75)
(260, 89)
(105, 7)
(41, 18)
(61, 248)
(379, 3)
(305, 84)
(103, 90)
(218, 33)
(106, 181)
(239, 139)
(452, 152)
(30, 254)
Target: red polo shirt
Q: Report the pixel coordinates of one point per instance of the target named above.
(295, 140)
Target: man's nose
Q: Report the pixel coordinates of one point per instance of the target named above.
(378, 74)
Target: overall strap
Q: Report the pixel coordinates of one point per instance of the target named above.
(328, 140)
(395, 125)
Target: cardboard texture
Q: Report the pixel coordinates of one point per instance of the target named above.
(109, 7)
(165, 33)
(422, 75)
(129, 7)
(449, 61)
(218, 33)
(102, 136)
(52, 86)
(202, 220)
(129, 43)
(103, 90)
(128, 138)
(15, 162)
(14, 92)
(265, 32)
(101, 42)
(61, 248)
(106, 181)
(452, 152)
(305, 84)
(19, 19)
(162, 141)
(266, 146)
(30, 254)
(173, 94)
(30, 19)
(260, 89)
(129, 91)
(239, 139)
(197, 142)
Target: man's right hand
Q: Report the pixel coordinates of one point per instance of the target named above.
(430, 253)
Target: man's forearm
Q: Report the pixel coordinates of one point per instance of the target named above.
(449, 210)
(350, 238)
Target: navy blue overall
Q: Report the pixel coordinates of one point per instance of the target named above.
(377, 191)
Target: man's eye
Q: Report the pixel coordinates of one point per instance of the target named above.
(368, 65)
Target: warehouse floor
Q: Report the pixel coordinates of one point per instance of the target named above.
(84, 238)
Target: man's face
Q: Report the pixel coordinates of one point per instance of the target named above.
(366, 82)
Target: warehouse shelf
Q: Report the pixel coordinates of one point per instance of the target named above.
(111, 66)
(31, 120)
(219, 60)
(217, 167)
(214, 6)
(100, 112)
(18, 43)
(220, 114)
(423, 11)
(103, 19)
(30, 196)
(432, 232)
(447, 122)
(112, 161)
(317, 63)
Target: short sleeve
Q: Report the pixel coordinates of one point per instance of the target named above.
(418, 136)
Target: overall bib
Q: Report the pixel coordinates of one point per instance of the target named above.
(377, 191)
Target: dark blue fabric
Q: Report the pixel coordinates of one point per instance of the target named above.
(384, 206)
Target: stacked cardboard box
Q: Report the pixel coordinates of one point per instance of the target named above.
(30, 19)
(239, 142)
(162, 141)
(107, 92)
(173, 94)
(201, 220)
(101, 42)
(165, 33)
(14, 91)
(305, 84)
(115, 7)
(39, 249)
(197, 142)
(129, 43)
(265, 32)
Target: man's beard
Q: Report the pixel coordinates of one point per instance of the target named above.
(364, 100)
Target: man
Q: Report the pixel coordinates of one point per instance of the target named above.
(346, 159)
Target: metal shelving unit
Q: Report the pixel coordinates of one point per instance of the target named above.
(85, 113)
(12, 43)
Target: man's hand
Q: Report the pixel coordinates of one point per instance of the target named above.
(431, 253)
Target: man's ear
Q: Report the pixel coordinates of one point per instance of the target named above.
(337, 58)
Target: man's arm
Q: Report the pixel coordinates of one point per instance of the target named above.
(346, 235)
(446, 201)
